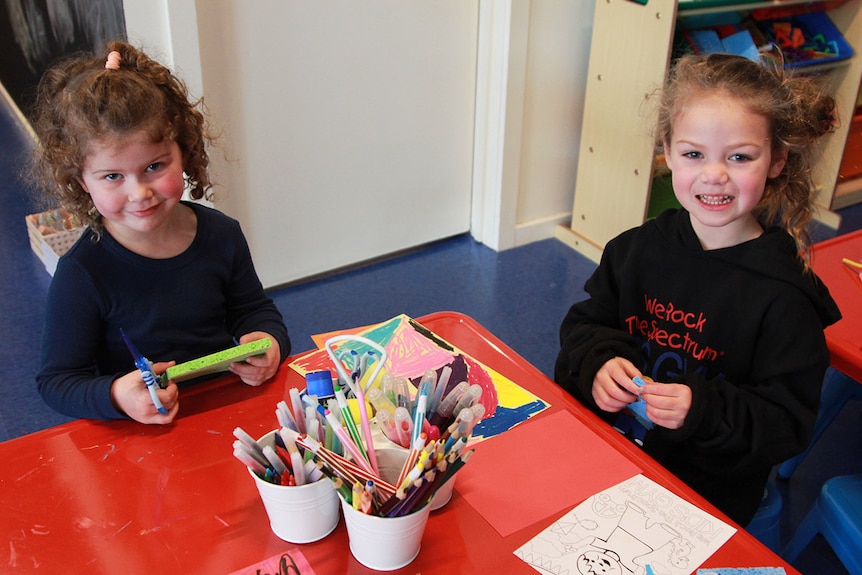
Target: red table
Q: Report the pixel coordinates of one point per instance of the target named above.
(844, 338)
(121, 497)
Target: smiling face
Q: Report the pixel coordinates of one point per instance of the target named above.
(134, 183)
(596, 563)
(720, 155)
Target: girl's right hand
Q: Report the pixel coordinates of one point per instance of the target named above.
(130, 394)
(613, 388)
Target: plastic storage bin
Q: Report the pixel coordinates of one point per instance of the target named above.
(52, 233)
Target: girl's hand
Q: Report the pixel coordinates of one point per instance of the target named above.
(613, 388)
(130, 394)
(257, 369)
(667, 403)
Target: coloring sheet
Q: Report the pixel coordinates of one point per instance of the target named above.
(621, 530)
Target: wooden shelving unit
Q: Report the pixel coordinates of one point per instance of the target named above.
(629, 59)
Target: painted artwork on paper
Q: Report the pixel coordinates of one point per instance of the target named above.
(636, 527)
(412, 349)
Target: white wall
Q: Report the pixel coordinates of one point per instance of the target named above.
(544, 56)
(348, 125)
(533, 59)
(167, 30)
(557, 62)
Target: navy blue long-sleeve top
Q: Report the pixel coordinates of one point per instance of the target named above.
(178, 308)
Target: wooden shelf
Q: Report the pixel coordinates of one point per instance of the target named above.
(849, 188)
(617, 159)
(698, 7)
(847, 193)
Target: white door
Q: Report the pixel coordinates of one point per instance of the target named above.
(347, 125)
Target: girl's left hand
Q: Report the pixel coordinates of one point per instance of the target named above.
(667, 404)
(257, 369)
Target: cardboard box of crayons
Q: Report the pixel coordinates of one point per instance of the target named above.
(52, 233)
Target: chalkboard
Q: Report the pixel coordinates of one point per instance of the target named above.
(36, 33)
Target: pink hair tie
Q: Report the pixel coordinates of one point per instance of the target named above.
(113, 61)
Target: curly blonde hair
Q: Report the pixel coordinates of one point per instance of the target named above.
(799, 111)
(80, 102)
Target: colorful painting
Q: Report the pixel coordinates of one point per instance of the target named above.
(413, 349)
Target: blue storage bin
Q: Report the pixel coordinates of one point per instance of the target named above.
(821, 37)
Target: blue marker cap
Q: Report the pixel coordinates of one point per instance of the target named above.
(319, 383)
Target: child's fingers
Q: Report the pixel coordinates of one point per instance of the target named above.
(659, 389)
(169, 396)
(160, 367)
(667, 404)
(671, 392)
(251, 374)
(257, 369)
(667, 418)
(142, 409)
(611, 397)
(258, 360)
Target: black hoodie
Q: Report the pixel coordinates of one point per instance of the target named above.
(742, 326)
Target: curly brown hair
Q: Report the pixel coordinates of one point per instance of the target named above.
(799, 111)
(80, 102)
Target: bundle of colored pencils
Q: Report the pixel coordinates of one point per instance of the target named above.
(432, 458)
(316, 440)
(281, 463)
(287, 463)
(430, 461)
(422, 475)
(435, 466)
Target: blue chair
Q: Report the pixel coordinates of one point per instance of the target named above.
(837, 515)
(766, 523)
(838, 389)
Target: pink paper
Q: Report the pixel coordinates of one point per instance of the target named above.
(291, 561)
(539, 469)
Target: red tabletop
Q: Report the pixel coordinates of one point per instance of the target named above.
(844, 337)
(121, 497)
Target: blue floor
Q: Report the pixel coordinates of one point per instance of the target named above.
(521, 295)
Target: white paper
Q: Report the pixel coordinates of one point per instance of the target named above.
(624, 528)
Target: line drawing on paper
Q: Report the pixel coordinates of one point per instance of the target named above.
(624, 528)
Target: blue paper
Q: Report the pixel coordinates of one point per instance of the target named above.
(742, 571)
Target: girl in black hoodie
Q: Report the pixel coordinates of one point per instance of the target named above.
(715, 302)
